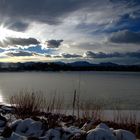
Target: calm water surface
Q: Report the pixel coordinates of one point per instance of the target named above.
(123, 87)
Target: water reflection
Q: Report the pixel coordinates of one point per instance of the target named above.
(1, 97)
(109, 86)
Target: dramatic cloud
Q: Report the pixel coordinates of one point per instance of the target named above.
(134, 54)
(9, 41)
(65, 55)
(56, 56)
(49, 56)
(54, 43)
(70, 55)
(20, 53)
(104, 29)
(125, 37)
(19, 26)
(90, 54)
(40, 10)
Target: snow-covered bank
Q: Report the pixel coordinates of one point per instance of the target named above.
(30, 129)
(57, 127)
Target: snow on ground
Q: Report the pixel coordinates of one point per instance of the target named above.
(29, 129)
(103, 132)
(124, 135)
(23, 129)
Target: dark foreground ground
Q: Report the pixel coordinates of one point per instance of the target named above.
(51, 126)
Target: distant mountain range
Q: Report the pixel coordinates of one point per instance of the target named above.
(61, 66)
(85, 63)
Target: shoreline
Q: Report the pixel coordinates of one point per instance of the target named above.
(12, 128)
(106, 115)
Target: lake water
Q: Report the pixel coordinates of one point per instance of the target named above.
(110, 87)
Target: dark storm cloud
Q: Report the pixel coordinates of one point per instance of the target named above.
(51, 11)
(90, 54)
(66, 55)
(40, 10)
(56, 56)
(47, 55)
(128, 2)
(14, 25)
(19, 26)
(21, 53)
(125, 36)
(134, 54)
(9, 41)
(54, 43)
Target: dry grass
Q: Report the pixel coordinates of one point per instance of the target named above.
(92, 109)
(121, 116)
(27, 103)
(125, 117)
(54, 104)
(74, 102)
(31, 103)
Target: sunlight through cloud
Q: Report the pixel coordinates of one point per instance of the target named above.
(1, 97)
(5, 32)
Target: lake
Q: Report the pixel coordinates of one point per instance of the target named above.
(110, 87)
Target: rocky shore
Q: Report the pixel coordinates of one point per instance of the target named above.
(49, 126)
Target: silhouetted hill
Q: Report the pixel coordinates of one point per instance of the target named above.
(108, 64)
(80, 63)
(61, 66)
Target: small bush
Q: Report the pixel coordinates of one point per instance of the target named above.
(27, 103)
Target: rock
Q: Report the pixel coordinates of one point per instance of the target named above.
(7, 132)
(61, 134)
(27, 127)
(88, 126)
(7, 109)
(32, 138)
(16, 136)
(138, 130)
(54, 134)
(101, 132)
(23, 126)
(124, 135)
(3, 121)
(103, 126)
(74, 130)
(79, 137)
(35, 129)
(15, 123)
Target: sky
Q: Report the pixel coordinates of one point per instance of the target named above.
(70, 30)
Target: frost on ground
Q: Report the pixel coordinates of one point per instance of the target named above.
(49, 127)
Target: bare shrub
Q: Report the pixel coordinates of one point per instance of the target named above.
(54, 104)
(92, 109)
(74, 102)
(27, 103)
(123, 117)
